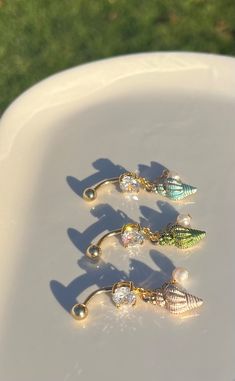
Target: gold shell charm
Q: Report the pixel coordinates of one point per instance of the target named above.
(178, 234)
(170, 296)
(178, 301)
(169, 185)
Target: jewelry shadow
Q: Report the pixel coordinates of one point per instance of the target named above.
(159, 218)
(107, 169)
(106, 275)
(109, 219)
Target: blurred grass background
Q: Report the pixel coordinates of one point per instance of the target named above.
(42, 37)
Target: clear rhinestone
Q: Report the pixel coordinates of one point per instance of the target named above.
(128, 183)
(123, 296)
(132, 237)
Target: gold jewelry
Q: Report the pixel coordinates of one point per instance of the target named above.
(170, 296)
(169, 185)
(178, 234)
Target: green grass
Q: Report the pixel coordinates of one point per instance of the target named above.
(41, 37)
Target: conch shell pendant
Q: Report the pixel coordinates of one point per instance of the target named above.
(180, 236)
(173, 298)
(170, 296)
(171, 186)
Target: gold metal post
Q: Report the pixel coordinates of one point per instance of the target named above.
(90, 194)
(80, 311)
(94, 251)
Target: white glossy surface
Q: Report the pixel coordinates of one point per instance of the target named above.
(71, 130)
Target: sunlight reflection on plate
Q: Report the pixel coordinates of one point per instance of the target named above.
(131, 197)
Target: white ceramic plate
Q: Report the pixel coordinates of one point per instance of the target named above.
(143, 112)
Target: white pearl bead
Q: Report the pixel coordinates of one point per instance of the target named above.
(184, 220)
(173, 175)
(180, 275)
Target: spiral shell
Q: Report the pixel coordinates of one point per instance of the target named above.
(180, 236)
(177, 300)
(174, 189)
(173, 298)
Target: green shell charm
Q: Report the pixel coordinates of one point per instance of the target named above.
(170, 185)
(180, 234)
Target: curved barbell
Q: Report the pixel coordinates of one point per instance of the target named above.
(171, 296)
(169, 185)
(178, 234)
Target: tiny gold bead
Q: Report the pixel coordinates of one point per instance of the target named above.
(93, 252)
(79, 311)
(89, 194)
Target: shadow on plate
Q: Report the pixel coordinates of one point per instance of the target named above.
(109, 219)
(106, 274)
(107, 169)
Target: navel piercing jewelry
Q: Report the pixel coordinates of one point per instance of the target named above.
(171, 296)
(178, 234)
(169, 184)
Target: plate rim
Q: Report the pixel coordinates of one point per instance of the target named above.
(205, 56)
(12, 117)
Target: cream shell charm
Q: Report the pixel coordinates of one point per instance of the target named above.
(169, 185)
(178, 234)
(171, 296)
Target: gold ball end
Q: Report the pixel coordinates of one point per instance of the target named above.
(93, 252)
(89, 194)
(79, 311)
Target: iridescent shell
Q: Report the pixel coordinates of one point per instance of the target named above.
(180, 236)
(173, 298)
(174, 189)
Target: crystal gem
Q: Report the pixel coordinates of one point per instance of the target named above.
(132, 237)
(128, 183)
(123, 296)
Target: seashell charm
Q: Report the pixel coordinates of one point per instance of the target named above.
(173, 298)
(180, 236)
(178, 301)
(173, 188)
